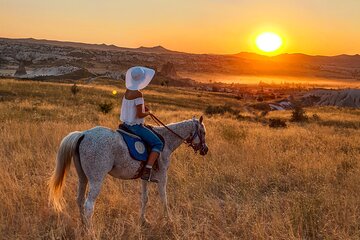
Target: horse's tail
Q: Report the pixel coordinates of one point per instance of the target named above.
(67, 150)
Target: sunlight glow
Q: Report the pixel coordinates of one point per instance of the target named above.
(268, 42)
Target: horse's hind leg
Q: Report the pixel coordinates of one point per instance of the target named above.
(82, 183)
(94, 190)
(81, 197)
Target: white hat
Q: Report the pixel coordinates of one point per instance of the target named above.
(138, 78)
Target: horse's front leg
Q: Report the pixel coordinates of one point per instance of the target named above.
(162, 192)
(144, 200)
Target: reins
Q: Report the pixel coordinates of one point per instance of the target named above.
(188, 141)
(159, 122)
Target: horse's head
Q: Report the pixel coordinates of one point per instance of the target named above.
(197, 137)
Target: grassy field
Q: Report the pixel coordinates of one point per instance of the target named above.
(300, 182)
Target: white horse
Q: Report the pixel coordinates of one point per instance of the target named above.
(100, 151)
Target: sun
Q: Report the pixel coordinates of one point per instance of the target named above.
(268, 42)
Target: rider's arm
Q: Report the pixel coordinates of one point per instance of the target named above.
(140, 113)
(139, 101)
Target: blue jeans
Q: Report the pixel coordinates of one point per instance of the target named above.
(148, 136)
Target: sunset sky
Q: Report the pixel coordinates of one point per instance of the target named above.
(326, 27)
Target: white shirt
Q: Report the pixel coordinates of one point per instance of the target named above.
(128, 111)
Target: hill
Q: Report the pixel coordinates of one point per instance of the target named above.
(100, 58)
(103, 47)
(339, 98)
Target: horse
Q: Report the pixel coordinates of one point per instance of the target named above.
(100, 151)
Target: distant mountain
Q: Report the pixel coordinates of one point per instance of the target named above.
(251, 56)
(103, 47)
(97, 58)
(157, 49)
(301, 58)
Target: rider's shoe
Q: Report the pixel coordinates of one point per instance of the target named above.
(147, 175)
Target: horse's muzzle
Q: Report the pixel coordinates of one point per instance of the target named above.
(204, 150)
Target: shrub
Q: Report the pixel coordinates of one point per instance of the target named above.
(106, 107)
(260, 98)
(298, 114)
(277, 123)
(316, 117)
(74, 89)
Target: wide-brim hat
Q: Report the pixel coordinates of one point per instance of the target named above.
(138, 77)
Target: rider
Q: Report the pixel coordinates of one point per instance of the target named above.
(133, 112)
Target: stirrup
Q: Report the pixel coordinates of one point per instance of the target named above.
(147, 176)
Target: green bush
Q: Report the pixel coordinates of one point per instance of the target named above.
(106, 107)
(277, 123)
(298, 114)
(74, 89)
(315, 117)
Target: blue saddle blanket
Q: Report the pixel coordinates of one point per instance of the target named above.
(136, 146)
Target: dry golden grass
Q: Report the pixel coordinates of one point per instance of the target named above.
(301, 182)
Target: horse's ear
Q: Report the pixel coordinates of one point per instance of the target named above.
(201, 119)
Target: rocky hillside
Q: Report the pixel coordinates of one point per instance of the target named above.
(339, 98)
(100, 58)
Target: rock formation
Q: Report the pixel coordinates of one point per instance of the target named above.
(21, 71)
(168, 70)
(340, 98)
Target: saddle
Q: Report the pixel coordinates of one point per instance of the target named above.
(138, 149)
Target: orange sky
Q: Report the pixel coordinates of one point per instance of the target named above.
(326, 27)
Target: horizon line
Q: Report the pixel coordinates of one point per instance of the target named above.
(177, 51)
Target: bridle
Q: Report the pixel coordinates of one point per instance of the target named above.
(188, 141)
